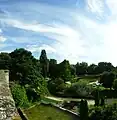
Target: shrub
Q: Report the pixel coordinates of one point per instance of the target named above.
(19, 95)
(104, 113)
(79, 89)
(56, 86)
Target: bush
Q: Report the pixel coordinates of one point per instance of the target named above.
(104, 113)
(79, 89)
(108, 93)
(19, 95)
(32, 95)
(57, 86)
(107, 79)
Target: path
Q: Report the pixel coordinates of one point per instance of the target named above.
(90, 102)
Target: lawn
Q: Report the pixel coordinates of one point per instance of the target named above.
(45, 112)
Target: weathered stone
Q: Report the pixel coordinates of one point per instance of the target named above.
(7, 104)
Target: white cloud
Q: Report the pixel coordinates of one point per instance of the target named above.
(112, 4)
(2, 38)
(96, 41)
(95, 6)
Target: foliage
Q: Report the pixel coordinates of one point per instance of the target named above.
(56, 86)
(19, 95)
(83, 110)
(92, 69)
(73, 70)
(79, 89)
(97, 98)
(104, 66)
(44, 63)
(52, 68)
(32, 95)
(102, 101)
(108, 112)
(107, 79)
(5, 60)
(115, 84)
(81, 68)
(64, 71)
(25, 69)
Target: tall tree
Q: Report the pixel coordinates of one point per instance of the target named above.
(83, 110)
(64, 70)
(53, 68)
(44, 63)
(97, 98)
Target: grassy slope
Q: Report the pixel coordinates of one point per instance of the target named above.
(42, 112)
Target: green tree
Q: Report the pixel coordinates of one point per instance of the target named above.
(91, 69)
(83, 110)
(44, 63)
(97, 98)
(73, 70)
(53, 68)
(104, 66)
(81, 68)
(5, 61)
(64, 70)
(25, 69)
(107, 79)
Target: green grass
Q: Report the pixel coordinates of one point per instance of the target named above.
(43, 112)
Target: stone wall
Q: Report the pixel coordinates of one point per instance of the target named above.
(7, 104)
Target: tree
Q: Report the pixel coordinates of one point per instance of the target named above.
(53, 68)
(104, 66)
(97, 98)
(73, 70)
(91, 69)
(44, 63)
(107, 79)
(64, 70)
(81, 68)
(5, 60)
(25, 69)
(83, 110)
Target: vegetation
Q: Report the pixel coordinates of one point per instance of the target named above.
(46, 112)
(19, 95)
(32, 79)
(83, 110)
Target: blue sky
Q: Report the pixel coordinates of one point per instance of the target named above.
(77, 30)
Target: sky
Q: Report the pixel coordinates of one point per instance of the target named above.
(76, 30)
